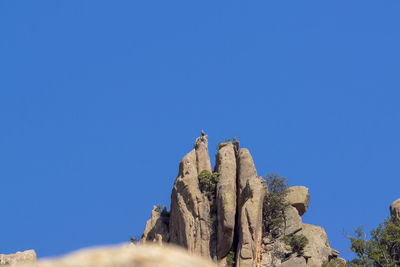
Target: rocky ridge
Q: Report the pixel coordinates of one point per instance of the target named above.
(229, 222)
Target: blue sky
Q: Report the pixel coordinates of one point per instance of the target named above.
(99, 101)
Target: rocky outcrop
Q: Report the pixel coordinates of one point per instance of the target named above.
(293, 222)
(226, 223)
(157, 229)
(127, 256)
(275, 252)
(27, 256)
(395, 209)
(318, 248)
(226, 198)
(189, 224)
(294, 261)
(299, 198)
(250, 203)
(202, 157)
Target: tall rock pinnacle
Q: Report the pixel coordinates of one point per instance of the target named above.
(190, 209)
(226, 198)
(250, 204)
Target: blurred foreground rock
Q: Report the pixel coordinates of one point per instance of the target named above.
(127, 256)
(28, 256)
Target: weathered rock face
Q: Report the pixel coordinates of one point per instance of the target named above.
(293, 222)
(299, 198)
(294, 261)
(226, 198)
(27, 256)
(318, 248)
(157, 229)
(395, 209)
(277, 253)
(189, 224)
(251, 195)
(127, 256)
(202, 156)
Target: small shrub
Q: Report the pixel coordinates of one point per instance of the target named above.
(161, 209)
(334, 263)
(208, 183)
(230, 258)
(274, 205)
(297, 243)
(219, 143)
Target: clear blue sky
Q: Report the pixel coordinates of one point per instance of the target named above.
(99, 101)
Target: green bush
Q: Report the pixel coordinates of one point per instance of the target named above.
(208, 183)
(297, 243)
(382, 248)
(334, 263)
(230, 258)
(159, 207)
(274, 204)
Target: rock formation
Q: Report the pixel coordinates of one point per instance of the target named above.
(395, 209)
(250, 201)
(27, 256)
(227, 224)
(189, 224)
(127, 256)
(157, 229)
(226, 198)
(299, 198)
(318, 248)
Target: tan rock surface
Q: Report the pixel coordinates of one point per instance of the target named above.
(251, 195)
(27, 256)
(294, 262)
(299, 198)
(189, 224)
(395, 208)
(127, 256)
(293, 222)
(157, 229)
(318, 247)
(202, 156)
(226, 198)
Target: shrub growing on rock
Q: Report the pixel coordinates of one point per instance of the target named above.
(159, 207)
(230, 258)
(334, 263)
(208, 183)
(274, 204)
(297, 243)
